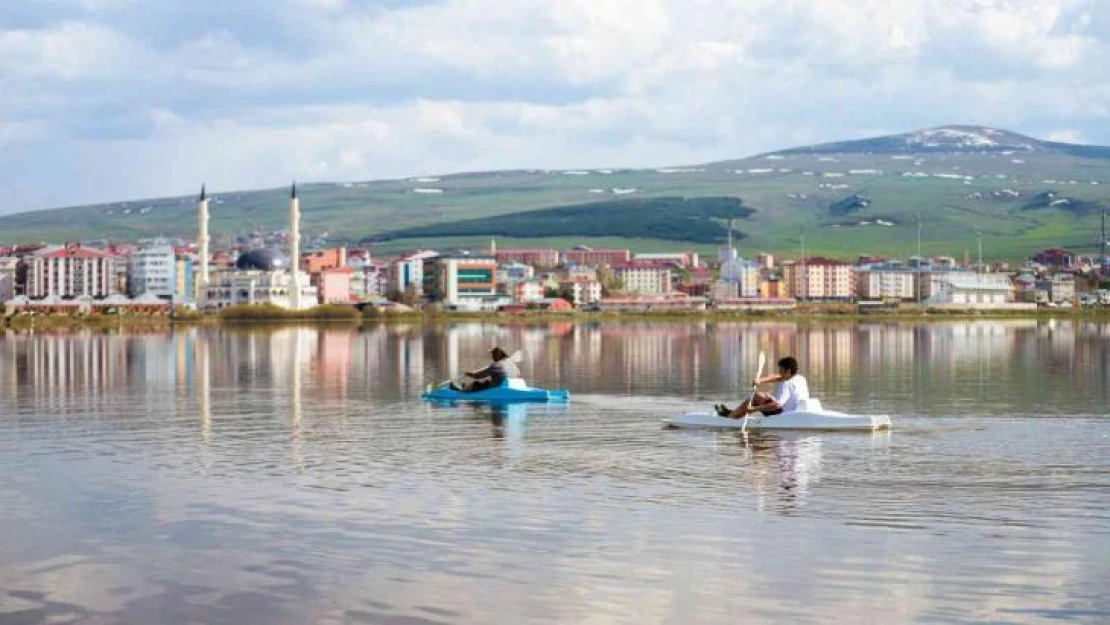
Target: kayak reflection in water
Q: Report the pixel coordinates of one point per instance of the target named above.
(792, 389)
(501, 369)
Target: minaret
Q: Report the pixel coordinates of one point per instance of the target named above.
(492, 247)
(202, 244)
(295, 248)
(1105, 241)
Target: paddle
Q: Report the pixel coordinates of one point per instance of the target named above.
(515, 357)
(755, 385)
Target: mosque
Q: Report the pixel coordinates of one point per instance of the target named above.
(260, 276)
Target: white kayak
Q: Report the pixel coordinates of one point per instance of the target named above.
(810, 416)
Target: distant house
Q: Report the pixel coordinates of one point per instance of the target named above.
(975, 291)
(594, 258)
(8, 269)
(1055, 258)
(581, 291)
(527, 290)
(321, 260)
(882, 282)
(755, 303)
(1060, 287)
(407, 272)
(152, 269)
(645, 278)
(333, 285)
(71, 271)
(534, 257)
(550, 303)
(682, 259)
(819, 278)
(649, 304)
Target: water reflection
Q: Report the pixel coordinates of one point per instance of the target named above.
(293, 475)
(845, 363)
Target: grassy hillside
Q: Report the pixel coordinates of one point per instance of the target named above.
(837, 195)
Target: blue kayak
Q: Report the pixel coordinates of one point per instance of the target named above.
(510, 390)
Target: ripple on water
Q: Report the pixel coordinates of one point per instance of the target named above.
(293, 476)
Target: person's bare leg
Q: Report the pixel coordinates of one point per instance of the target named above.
(740, 411)
(758, 400)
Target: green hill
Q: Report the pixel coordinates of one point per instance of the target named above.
(849, 198)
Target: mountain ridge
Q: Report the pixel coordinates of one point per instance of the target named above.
(960, 177)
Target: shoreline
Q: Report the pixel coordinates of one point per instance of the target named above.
(801, 314)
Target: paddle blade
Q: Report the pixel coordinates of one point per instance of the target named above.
(759, 369)
(517, 356)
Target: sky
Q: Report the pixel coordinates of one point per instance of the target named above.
(106, 100)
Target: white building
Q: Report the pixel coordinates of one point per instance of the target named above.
(683, 259)
(259, 277)
(881, 283)
(744, 274)
(819, 278)
(153, 270)
(70, 271)
(462, 282)
(527, 290)
(581, 291)
(581, 273)
(8, 268)
(644, 278)
(1060, 287)
(974, 290)
(929, 280)
(408, 272)
(370, 280)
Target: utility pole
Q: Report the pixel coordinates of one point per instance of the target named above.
(1105, 241)
(919, 238)
(920, 260)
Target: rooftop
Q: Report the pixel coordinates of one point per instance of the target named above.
(71, 250)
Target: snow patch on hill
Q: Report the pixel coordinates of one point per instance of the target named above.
(964, 139)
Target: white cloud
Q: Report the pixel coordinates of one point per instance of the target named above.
(1066, 135)
(68, 51)
(319, 89)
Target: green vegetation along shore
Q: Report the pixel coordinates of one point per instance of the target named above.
(268, 316)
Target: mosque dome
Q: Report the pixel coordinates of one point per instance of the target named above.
(262, 260)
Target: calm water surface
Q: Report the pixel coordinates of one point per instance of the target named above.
(294, 476)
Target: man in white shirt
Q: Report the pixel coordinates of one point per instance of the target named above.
(792, 389)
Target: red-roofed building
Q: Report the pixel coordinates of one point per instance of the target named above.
(534, 257)
(322, 260)
(594, 258)
(549, 303)
(221, 259)
(70, 271)
(1055, 258)
(26, 248)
